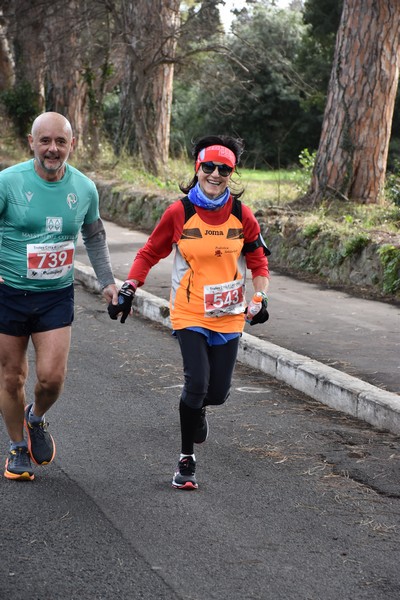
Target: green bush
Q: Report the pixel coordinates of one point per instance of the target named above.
(392, 184)
(22, 105)
(306, 160)
(311, 230)
(355, 244)
(390, 258)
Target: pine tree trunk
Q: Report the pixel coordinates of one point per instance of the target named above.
(149, 28)
(7, 66)
(352, 154)
(66, 89)
(23, 39)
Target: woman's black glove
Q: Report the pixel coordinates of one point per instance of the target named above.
(263, 315)
(125, 299)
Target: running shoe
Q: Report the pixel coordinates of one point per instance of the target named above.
(201, 433)
(40, 443)
(184, 477)
(18, 465)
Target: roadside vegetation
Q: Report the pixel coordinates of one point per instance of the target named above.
(278, 188)
(265, 81)
(334, 230)
(282, 189)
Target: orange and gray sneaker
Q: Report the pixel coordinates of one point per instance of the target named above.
(184, 477)
(40, 443)
(18, 465)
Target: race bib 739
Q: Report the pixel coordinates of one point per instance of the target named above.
(49, 261)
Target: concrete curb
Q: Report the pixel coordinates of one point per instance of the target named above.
(327, 385)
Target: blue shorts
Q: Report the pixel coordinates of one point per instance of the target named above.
(23, 312)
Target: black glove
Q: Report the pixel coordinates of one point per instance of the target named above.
(262, 314)
(125, 299)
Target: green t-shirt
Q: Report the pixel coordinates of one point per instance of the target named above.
(39, 225)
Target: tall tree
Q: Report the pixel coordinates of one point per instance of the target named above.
(22, 37)
(149, 30)
(66, 89)
(352, 154)
(21, 58)
(317, 50)
(66, 69)
(251, 88)
(7, 66)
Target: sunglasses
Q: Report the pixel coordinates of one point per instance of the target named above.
(209, 167)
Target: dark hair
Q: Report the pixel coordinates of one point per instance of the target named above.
(234, 144)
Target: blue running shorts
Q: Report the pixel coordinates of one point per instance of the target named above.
(23, 312)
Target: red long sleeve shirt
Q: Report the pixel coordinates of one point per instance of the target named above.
(168, 231)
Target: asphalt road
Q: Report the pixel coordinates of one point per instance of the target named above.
(295, 501)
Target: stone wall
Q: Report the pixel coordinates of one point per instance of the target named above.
(130, 207)
(325, 256)
(322, 258)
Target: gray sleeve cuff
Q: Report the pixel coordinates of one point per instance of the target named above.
(94, 239)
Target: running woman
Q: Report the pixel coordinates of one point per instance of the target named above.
(215, 238)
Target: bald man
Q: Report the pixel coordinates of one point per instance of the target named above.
(44, 204)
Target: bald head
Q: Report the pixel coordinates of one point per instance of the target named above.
(51, 120)
(52, 142)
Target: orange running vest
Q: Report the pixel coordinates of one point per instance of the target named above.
(208, 277)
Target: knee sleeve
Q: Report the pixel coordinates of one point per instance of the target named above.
(192, 400)
(216, 401)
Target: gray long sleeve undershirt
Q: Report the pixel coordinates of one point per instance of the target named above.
(94, 239)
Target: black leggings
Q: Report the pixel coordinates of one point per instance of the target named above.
(207, 369)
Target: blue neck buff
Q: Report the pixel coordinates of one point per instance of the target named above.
(197, 197)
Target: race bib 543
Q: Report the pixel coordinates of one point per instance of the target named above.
(224, 298)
